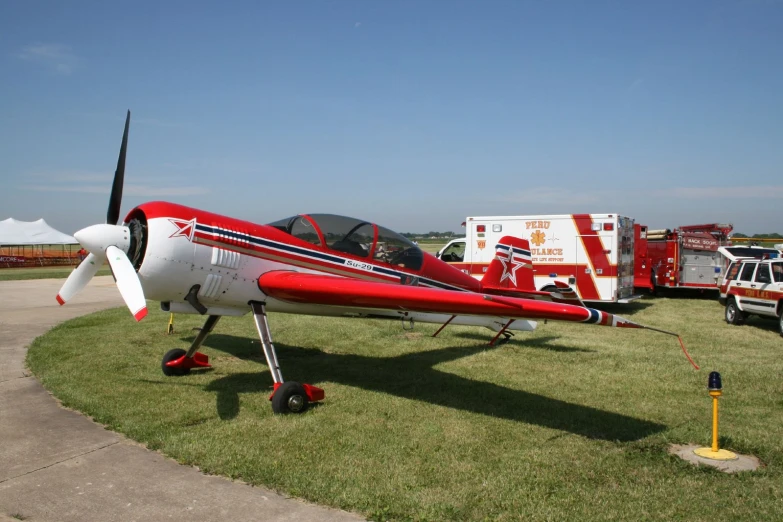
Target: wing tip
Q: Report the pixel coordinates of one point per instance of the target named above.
(60, 300)
(141, 314)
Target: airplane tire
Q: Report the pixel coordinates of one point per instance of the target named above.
(173, 355)
(733, 314)
(290, 397)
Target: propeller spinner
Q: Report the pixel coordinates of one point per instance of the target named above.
(109, 242)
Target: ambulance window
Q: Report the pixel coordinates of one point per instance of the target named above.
(747, 271)
(396, 250)
(762, 274)
(777, 272)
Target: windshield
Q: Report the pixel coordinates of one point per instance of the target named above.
(397, 250)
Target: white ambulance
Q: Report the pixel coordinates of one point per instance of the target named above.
(594, 253)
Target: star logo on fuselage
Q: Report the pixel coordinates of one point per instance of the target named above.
(184, 228)
(510, 267)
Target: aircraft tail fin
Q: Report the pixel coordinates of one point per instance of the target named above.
(511, 273)
(511, 268)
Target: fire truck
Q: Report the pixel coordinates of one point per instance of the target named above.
(593, 253)
(685, 257)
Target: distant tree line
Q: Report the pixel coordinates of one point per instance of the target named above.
(423, 235)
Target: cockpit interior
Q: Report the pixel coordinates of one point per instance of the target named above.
(355, 237)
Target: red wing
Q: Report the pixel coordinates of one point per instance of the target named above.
(295, 287)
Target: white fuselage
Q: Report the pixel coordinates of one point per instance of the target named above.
(228, 280)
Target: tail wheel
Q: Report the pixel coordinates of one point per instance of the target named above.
(733, 314)
(173, 355)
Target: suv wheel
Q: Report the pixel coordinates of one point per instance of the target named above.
(780, 321)
(733, 314)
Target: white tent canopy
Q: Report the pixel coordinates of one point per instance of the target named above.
(13, 232)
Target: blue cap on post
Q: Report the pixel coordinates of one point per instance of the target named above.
(714, 383)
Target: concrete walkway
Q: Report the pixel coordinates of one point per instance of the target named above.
(57, 465)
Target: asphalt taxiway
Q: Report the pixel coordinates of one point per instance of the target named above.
(58, 465)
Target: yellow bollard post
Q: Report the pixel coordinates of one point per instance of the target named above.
(714, 453)
(715, 395)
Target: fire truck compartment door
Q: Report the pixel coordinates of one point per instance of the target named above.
(699, 267)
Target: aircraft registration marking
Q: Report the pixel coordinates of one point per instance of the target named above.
(357, 264)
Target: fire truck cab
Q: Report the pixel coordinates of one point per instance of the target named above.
(594, 253)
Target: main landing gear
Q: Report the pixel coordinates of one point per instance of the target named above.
(287, 397)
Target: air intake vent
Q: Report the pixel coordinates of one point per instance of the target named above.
(225, 258)
(211, 286)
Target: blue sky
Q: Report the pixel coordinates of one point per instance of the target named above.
(411, 114)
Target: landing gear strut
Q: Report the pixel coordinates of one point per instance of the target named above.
(180, 362)
(290, 396)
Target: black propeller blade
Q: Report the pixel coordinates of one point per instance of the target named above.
(115, 200)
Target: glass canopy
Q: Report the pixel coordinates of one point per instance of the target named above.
(352, 236)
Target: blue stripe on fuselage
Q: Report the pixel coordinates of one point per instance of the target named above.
(595, 316)
(239, 236)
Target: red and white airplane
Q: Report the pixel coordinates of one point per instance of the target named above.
(197, 262)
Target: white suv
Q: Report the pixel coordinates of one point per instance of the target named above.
(753, 286)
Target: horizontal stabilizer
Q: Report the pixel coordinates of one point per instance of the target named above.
(565, 294)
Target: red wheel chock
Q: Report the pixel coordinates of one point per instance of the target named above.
(199, 360)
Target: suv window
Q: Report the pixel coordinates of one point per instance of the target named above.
(762, 274)
(733, 271)
(777, 272)
(746, 274)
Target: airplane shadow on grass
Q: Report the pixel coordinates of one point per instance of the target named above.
(541, 343)
(412, 376)
(623, 309)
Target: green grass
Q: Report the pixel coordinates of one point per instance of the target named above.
(47, 272)
(570, 422)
